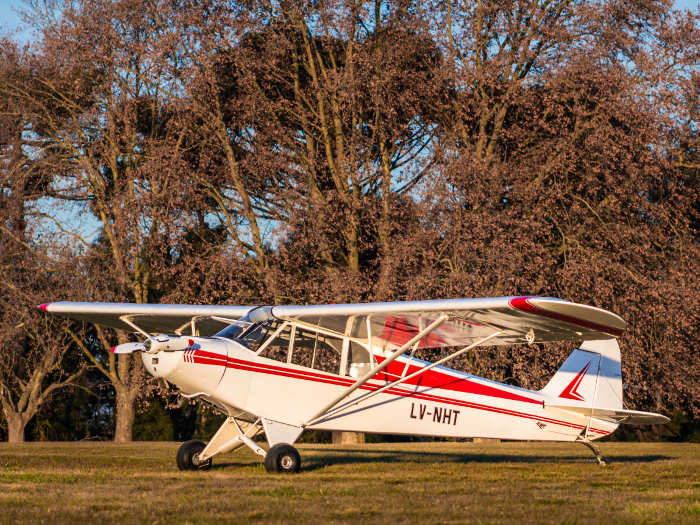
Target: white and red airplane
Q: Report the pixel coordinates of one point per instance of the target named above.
(280, 370)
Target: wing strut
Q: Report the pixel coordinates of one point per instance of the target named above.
(127, 320)
(402, 379)
(192, 323)
(369, 375)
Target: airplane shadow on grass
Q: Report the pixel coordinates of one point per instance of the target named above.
(328, 457)
(341, 456)
(234, 464)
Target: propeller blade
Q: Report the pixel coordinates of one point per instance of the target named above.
(127, 348)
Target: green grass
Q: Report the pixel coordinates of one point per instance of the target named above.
(409, 482)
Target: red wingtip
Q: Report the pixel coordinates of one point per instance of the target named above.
(521, 303)
(43, 307)
(112, 350)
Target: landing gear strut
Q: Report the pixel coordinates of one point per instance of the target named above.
(283, 459)
(594, 448)
(188, 456)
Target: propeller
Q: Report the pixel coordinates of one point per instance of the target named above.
(127, 348)
(155, 344)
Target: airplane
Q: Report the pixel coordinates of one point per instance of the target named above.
(281, 370)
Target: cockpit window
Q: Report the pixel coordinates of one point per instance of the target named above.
(232, 331)
(257, 334)
(250, 334)
(242, 330)
(297, 345)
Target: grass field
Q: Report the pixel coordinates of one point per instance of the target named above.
(408, 482)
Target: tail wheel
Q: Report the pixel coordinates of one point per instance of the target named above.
(282, 458)
(187, 456)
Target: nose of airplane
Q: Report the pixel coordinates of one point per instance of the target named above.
(162, 362)
(193, 364)
(163, 353)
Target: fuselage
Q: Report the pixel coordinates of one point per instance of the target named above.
(439, 402)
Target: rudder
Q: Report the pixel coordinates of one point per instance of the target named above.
(591, 375)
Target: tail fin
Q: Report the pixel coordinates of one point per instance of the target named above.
(591, 375)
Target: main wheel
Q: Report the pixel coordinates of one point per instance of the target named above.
(282, 458)
(187, 456)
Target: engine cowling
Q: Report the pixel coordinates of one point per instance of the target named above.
(167, 343)
(193, 364)
(155, 344)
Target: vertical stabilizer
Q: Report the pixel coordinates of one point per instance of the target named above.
(591, 375)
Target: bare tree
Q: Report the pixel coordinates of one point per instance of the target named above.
(32, 361)
(33, 347)
(101, 140)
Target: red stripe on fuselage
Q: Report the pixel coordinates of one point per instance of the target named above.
(209, 358)
(299, 374)
(437, 379)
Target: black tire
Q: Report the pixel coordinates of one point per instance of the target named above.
(283, 459)
(186, 456)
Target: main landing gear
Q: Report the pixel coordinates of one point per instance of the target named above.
(282, 457)
(188, 456)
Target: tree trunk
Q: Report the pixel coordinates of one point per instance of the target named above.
(15, 428)
(348, 438)
(351, 438)
(125, 417)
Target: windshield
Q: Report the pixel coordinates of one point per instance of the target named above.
(232, 331)
(251, 330)
(257, 334)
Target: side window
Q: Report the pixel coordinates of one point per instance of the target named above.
(327, 355)
(318, 351)
(257, 334)
(309, 349)
(278, 348)
(303, 348)
(360, 361)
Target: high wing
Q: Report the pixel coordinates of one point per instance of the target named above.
(151, 318)
(517, 319)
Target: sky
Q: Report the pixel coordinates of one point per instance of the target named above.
(10, 21)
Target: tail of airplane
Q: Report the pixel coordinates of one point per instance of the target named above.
(590, 377)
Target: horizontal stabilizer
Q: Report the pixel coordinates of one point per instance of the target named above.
(617, 415)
